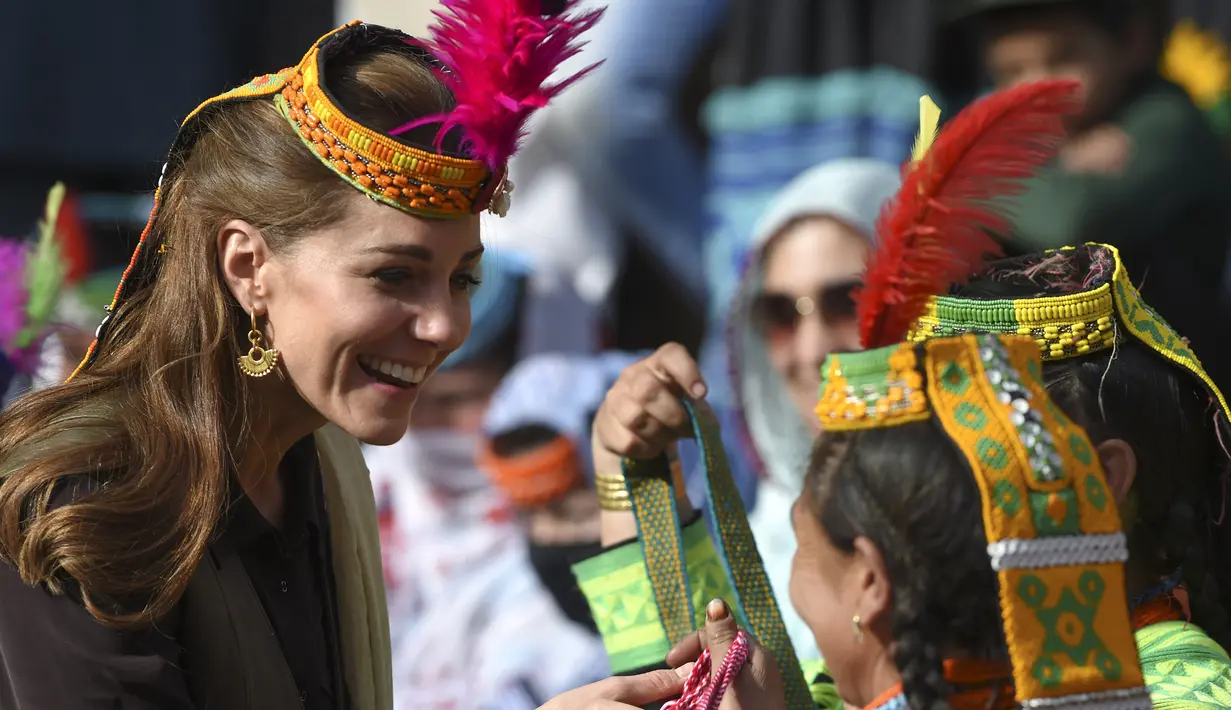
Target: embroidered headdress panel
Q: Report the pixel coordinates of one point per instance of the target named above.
(1053, 530)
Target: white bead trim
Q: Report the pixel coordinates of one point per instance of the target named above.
(1065, 551)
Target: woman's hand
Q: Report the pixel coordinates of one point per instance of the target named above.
(642, 414)
(757, 685)
(623, 692)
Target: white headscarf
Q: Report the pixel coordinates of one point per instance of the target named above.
(852, 191)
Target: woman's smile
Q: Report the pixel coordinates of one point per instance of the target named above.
(402, 375)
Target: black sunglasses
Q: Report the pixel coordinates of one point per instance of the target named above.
(780, 312)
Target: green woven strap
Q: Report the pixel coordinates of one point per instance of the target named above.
(658, 528)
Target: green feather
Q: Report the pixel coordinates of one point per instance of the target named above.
(45, 271)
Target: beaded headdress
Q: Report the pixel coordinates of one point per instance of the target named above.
(1053, 530)
(496, 57)
(1094, 306)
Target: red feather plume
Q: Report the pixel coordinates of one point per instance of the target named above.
(936, 232)
(499, 56)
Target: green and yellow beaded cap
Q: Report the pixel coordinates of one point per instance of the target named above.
(1053, 530)
(1091, 303)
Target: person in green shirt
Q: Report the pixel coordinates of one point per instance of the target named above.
(1142, 168)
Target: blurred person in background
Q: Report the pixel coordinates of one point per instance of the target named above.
(794, 85)
(1143, 168)
(793, 308)
(535, 450)
(611, 182)
(472, 628)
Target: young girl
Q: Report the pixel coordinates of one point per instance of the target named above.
(1159, 424)
(959, 545)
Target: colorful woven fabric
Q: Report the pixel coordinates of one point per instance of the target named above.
(617, 586)
(976, 685)
(1052, 527)
(658, 528)
(1185, 669)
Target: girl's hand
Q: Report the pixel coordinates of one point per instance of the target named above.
(642, 414)
(757, 685)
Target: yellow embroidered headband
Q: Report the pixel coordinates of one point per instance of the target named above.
(495, 58)
(1085, 318)
(1053, 530)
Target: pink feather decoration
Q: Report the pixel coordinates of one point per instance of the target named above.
(499, 56)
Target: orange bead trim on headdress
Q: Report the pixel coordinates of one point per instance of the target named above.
(411, 179)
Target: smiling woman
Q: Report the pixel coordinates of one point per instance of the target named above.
(359, 321)
(187, 522)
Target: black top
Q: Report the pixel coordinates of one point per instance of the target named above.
(53, 654)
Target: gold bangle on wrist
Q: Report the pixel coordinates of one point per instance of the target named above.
(616, 506)
(612, 493)
(620, 504)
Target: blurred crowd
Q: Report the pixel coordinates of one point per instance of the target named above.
(715, 183)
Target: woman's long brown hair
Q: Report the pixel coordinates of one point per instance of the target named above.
(154, 426)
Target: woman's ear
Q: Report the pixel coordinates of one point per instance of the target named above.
(876, 589)
(1120, 464)
(241, 253)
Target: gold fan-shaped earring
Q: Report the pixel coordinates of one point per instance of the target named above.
(259, 361)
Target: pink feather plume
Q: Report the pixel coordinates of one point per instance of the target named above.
(499, 56)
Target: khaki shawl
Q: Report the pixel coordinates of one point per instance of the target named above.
(362, 614)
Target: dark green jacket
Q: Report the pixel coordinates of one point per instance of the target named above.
(1169, 213)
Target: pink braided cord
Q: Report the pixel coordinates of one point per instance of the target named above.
(700, 693)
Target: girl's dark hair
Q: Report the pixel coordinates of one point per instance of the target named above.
(907, 490)
(1166, 415)
(1131, 394)
(522, 439)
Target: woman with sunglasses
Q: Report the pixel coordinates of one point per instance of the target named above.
(793, 309)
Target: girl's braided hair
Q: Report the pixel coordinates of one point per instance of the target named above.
(908, 491)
